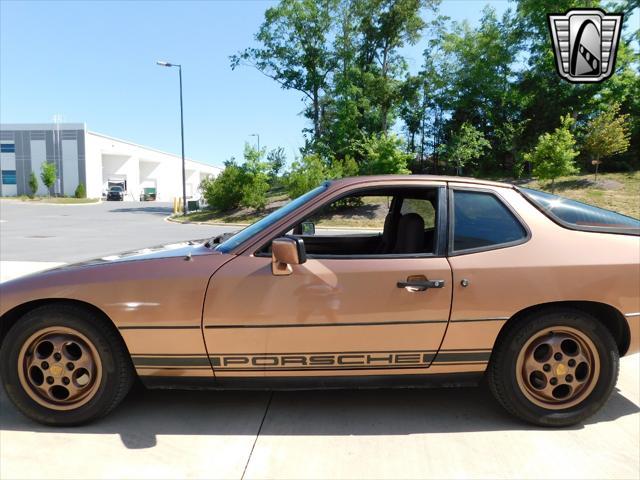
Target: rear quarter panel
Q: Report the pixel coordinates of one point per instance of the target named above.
(556, 264)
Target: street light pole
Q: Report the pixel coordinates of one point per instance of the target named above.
(256, 135)
(184, 180)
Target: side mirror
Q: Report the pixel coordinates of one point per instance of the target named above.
(308, 228)
(286, 251)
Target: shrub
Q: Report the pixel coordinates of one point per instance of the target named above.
(225, 191)
(383, 154)
(33, 184)
(255, 179)
(80, 192)
(306, 174)
(313, 169)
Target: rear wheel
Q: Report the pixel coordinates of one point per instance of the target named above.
(554, 368)
(63, 365)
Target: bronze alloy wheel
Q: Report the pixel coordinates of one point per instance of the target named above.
(557, 367)
(59, 368)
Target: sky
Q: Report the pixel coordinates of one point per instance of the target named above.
(93, 62)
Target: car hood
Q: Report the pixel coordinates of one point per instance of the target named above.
(168, 273)
(171, 250)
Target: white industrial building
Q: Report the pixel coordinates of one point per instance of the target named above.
(93, 159)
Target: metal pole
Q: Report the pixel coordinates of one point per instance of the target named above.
(258, 135)
(184, 180)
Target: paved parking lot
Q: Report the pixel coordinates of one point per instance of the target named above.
(438, 433)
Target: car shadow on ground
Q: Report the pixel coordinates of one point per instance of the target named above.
(145, 414)
(149, 210)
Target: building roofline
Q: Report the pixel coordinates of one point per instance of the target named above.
(128, 142)
(42, 126)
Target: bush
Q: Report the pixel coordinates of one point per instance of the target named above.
(383, 154)
(255, 179)
(33, 184)
(239, 186)
(312, 170)
(80, 192)
(225, 191)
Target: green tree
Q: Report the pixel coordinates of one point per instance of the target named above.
(294, 49)
(48, 175)
(80, 192)
(607, 134)
(276, 159)
(554, 154)
(305, 174)
(466, 145)
(33, 184)
(312, 170)
(255, 178)
(383, 154)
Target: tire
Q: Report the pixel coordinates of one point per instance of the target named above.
(531, 345)
(83, 355)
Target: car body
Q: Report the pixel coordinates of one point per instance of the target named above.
(115, 193)
(412, 304)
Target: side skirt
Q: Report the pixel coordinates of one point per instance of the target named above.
(438, 380)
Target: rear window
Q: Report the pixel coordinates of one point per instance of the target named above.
(580, 216)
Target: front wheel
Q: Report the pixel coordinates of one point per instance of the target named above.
(554, 368)
(63, 365)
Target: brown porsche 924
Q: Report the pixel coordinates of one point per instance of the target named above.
(443, 281)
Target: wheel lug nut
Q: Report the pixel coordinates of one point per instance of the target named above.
(65, 380)
(572, 363)
(49, 380)
(57, 356)
(553, 381)
(569, 378)
(45, 365)
(558, 356)
(546, 367)
(69, 366)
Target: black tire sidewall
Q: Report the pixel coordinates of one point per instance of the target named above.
(84, 323)
(609, 363)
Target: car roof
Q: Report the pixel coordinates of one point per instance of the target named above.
(416, 178)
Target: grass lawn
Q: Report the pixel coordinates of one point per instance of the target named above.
(57, 200)
(614, 191)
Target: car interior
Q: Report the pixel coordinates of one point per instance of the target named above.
(399, 221)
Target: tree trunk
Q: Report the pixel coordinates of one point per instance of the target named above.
(316, 115)
(384, 108)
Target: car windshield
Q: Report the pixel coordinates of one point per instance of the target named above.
(230, 243)
(581, 216)
(116, 189)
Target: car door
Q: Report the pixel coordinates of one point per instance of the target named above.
(331, 316)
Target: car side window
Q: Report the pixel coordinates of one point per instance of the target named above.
(381, 222)
(481, 220)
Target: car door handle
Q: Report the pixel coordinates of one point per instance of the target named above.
(421, 285)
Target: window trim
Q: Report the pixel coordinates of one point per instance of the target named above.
(498, 246)
(440, 232)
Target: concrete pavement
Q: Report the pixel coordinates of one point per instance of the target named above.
(439, 433)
